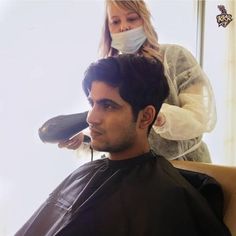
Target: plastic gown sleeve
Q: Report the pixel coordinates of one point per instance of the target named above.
(196, 112)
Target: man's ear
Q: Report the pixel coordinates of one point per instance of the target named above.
(146, 116)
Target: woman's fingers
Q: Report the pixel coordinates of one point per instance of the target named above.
(73, 143)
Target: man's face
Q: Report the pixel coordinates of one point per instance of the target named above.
(110, 119)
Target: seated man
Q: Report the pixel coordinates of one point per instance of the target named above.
(132, 191)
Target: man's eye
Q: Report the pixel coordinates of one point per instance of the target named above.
(108, 106)
(90, 103)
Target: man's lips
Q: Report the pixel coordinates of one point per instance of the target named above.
(95, 132)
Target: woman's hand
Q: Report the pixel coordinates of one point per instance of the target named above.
(72, 143)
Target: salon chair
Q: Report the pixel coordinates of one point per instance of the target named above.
(226, 176)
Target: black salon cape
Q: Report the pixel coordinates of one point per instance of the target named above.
(142, 196)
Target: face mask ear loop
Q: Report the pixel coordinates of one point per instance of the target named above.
(91, 151)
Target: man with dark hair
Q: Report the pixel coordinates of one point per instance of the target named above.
(132, 191)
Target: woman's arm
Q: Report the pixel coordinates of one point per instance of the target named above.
(196, 112)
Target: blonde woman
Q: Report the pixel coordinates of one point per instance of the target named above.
(189, 111)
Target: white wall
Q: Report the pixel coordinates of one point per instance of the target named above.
(175, 21)
(45, 47)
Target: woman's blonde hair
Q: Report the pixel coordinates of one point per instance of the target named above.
(150, 48)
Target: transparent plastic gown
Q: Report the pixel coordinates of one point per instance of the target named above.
(189, 110)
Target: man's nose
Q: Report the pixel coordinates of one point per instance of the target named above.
(93, 117)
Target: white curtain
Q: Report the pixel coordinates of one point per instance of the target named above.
(219, 63)
(230, 67)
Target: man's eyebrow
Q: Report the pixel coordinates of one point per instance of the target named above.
(104, 101)
(107, 100)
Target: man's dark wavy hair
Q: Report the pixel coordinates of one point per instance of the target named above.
(141, 81)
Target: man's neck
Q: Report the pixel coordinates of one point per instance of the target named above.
(129, 153)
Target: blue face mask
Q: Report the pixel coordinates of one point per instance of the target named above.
(128, 41)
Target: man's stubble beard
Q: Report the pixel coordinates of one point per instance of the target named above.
(125, 142)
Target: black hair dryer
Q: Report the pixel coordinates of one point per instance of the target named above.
(63, 127)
